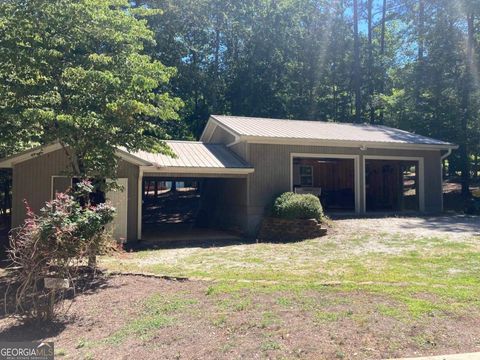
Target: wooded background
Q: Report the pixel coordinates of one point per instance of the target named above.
(97, 74)
(409, 64)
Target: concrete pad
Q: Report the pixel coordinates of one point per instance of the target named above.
(466, 356)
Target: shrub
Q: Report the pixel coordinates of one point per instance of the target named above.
(297, 206)
(55, 243)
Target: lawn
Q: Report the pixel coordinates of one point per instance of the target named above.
(361, 293)
(401, 266)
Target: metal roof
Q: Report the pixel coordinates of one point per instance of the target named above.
(320, 130)
(194, 154)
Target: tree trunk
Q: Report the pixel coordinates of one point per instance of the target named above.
(356, 65)
(382, 58)
(476, 167)
(216, 70)
(370, 60)
(420, 50)
(464, 151)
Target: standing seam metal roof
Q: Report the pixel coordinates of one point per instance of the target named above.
(194, 154)
(320, 130)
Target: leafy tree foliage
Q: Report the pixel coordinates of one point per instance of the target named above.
(77, 72)
(297, 59)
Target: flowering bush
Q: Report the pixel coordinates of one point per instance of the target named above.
(56, 242)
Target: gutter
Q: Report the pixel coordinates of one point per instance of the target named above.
(447, 154)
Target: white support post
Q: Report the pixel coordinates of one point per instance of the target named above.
(140, 203)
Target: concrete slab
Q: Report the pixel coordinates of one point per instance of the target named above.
(466, 356)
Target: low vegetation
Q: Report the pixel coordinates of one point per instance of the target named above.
(297, 206)
(357, 293)
(55, 244)
(423, 274)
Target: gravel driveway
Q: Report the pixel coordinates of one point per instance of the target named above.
(453, 226)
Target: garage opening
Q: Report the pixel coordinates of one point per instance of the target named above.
(170, 204)
(185, 209)
(331, 179)
(391, 185)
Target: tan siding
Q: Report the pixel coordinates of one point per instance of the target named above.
(272, 173)
(32, 182)
(221, 136)
(130, 171)
(241, 149)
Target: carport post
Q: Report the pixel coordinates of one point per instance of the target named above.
(140, 201)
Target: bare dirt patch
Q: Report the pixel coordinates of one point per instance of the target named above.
(117, 322)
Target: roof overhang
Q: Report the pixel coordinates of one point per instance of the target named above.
(10, 161)
(196, 170)
(345, 143)
(213, 123)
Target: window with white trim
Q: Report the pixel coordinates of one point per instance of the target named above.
(306, 175)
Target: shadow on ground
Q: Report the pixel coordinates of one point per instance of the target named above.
(86, 283)
(181, 244)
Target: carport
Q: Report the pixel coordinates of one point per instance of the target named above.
(201, 194)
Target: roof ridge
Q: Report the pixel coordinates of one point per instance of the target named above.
(305, 120)
(185, 141)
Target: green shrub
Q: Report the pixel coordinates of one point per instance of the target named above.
(297, 206)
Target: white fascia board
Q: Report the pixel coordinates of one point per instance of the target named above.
(208, 130)
(345, 143)
(29, 154)
(212, 124)
(132, 159)
(197, 170)
(42, 150)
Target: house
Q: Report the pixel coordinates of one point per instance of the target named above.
(240, 164)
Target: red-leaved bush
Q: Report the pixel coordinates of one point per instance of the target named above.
(56, 243)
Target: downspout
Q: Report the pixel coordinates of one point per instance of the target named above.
(447, 154)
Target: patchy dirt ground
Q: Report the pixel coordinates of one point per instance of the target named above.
(398, 287)
(151, 318)
(451, 226)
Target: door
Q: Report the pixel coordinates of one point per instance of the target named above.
(60, 184)
(119, 199)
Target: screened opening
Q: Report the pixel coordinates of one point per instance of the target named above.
(331, 179)
(391, 185)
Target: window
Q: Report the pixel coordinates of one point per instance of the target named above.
(306, 175)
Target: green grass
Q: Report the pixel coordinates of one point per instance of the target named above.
(157, 312)
(424, 275)
(332, 316)
(270, 345)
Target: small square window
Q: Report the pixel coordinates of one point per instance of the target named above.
(306, 175)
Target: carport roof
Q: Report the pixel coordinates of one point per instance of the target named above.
(191, 157)
(194, 155)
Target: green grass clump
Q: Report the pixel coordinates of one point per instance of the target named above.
(157, 312)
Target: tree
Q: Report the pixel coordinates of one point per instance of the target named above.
(356, 64)
(76, 72)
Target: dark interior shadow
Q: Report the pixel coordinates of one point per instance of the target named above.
(180, 244)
